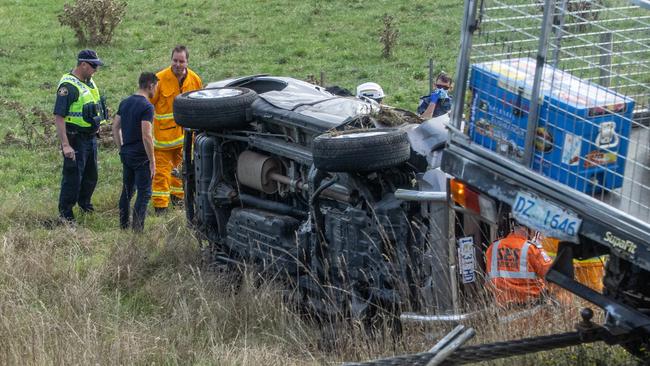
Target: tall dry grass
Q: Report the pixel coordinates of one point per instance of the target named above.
(93, 294)
(75, 296)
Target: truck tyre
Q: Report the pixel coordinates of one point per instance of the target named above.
(361, 150)
(214, 109)
(627, 283)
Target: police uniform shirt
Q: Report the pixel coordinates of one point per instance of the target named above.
(65, 96)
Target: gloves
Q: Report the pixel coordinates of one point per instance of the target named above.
(438, 94)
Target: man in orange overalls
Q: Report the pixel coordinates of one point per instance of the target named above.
(516, 268)
(167, 135)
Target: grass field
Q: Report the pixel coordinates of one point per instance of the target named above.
(96, 295)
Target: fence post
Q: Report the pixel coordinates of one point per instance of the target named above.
(559, 20)
(430, 76)
(606, 48)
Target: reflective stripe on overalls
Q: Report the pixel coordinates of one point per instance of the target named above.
(166, 144)
(523, 272)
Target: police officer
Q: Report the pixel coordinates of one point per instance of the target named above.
(78, 111)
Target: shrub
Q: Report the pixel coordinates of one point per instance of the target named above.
(93, 21)
(388, 35)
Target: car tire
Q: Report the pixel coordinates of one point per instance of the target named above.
(214, 109)
(361, 150)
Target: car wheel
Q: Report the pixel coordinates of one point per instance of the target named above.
(361, 150)
(214, 109)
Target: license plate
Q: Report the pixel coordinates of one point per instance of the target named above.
(467, 259)
(546, 217)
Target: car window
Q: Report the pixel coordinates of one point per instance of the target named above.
(263, 85)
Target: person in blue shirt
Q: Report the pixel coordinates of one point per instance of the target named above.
(439, 101)
(132, 133)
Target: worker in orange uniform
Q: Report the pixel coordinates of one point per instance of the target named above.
(516, 268)
(167, 135)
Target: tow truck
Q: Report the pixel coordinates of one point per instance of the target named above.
(550, 127)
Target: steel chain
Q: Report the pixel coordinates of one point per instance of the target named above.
(487, 352)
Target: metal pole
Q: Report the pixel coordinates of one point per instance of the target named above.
(422, 196)
(448, 338)
(606, 49)
(430, 76)
(533, 115)
(470, 24)
(444, 353)
(451, 233)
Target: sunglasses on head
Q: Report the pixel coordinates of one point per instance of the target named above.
(445, 87)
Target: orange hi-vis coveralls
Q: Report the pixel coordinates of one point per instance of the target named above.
(167, 135)
(516, 268)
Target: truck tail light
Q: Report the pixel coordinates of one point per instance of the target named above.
(464, 196)
(472, 200)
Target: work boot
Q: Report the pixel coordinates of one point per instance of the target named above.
(176, 201)
(52, 223)
(66, 222)
(159, 211)
(87, 209)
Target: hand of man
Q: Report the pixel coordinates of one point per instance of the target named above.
(152, 168)
(68, 152)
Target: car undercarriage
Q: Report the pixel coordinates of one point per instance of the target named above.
(275, 181)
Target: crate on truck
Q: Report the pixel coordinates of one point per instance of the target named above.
(583, 129)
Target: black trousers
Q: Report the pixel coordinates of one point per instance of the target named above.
(135, 176)
(79, 175)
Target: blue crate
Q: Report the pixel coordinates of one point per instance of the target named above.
(582, 132)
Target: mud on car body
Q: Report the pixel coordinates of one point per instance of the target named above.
(301, 183)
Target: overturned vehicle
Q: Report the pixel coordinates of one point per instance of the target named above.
(320, 190)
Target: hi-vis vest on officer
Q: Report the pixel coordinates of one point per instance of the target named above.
(89, 110)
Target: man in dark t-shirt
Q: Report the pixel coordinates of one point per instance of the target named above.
(132, 133)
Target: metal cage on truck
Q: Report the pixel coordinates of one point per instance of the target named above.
(552, 121)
